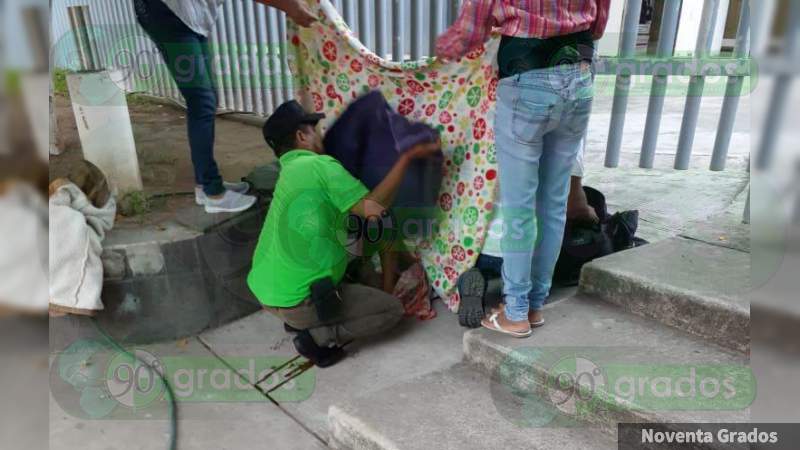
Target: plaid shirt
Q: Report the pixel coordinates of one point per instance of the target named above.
(520, 18)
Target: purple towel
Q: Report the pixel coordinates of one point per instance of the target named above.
(368, 138)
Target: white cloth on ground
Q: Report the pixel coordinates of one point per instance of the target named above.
(77, 229)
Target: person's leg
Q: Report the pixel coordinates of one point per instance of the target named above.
(524, 108)
(365, 311)
(300, 317)
(187, 58)
(560, 148)
(578, 207)
(299, 320)
(489, 265)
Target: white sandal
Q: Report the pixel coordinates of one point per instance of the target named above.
(494, 325)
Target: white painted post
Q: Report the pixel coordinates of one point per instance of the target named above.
(104, 127)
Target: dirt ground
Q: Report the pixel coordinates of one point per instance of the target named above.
(162, 145)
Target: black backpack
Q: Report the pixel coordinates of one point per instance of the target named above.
(584, 242)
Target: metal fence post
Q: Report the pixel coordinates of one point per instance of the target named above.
(252, 53)
(694, 97)
(381, 13)
(666, 44)
(416, 30)
(398, 30)
(627, 48)
(265, 85)
(273, 43)
(733, 92)
(435, 25)
(77, 21)
(286, 74)
(364, 31)
(242, 50)
(349, 10)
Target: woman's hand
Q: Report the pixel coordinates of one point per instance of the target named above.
(297, 10)
(300, 13)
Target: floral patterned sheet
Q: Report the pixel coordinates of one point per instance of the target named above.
(332, 67)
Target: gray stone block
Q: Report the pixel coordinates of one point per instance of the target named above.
(687, 284)
(114, 264)
(145, 259)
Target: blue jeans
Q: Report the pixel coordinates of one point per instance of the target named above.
(187, 58)
(540, 120)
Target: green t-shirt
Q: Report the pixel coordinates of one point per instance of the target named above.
(304, 236)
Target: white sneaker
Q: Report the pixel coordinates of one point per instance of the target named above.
(241, 187)
(230, 202)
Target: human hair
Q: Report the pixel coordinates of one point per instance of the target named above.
(288, 141)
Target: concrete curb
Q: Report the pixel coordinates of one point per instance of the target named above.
(703, 316)
(162, 290)
(708, 309)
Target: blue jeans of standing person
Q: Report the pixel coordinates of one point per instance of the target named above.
(541, 117)
(187, 58)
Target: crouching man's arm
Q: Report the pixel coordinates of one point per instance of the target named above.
(376, 202)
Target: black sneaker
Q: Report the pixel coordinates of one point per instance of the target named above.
(320, 356)
(472, 290)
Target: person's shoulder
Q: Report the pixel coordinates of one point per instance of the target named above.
(327, 162)
(327, 159)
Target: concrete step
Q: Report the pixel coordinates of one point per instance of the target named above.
(602, 365)
(456, 408)
(684, 283)
(165, 284)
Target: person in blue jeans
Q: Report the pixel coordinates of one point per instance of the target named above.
(472, 284)
(548, 112)
(180, 30)
(544, 99)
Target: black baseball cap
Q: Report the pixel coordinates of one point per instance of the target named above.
(286, 119)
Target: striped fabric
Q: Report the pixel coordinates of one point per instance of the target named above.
(520, 18)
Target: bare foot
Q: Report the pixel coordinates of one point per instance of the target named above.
(535, 318)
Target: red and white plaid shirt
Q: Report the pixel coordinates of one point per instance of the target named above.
(520, 18)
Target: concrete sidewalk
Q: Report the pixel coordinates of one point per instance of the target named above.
(288, 416)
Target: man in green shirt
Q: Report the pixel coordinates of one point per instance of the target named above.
(302, 244)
